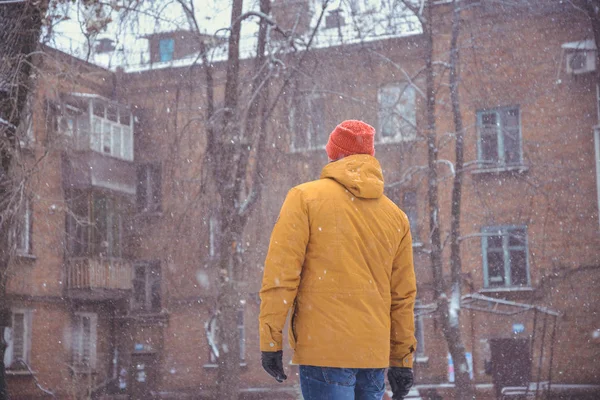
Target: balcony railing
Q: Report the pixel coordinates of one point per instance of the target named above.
(107, 277)
(90, 169)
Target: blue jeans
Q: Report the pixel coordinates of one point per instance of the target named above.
(324, 383)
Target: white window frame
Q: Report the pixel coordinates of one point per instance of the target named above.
(77, 343)
(105, 130)
(213, 236)
(23, 233)
(598, 103)
(310, 135)
(10, 361)
(26, 133)
(153, 201)
(152, 275)
(500, 150)
(405, 126)
(597, 153)
(504, 231)
(241, 325)
(67, 121)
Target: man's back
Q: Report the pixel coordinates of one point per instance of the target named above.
(340, 257)
(344, 295)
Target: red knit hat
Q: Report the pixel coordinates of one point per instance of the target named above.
(351, 137)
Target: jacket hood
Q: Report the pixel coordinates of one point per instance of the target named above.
(361, 174)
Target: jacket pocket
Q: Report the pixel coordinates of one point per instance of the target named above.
(292, 328)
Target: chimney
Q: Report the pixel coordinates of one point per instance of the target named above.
(292, 13)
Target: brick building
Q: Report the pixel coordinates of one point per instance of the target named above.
(113, 288)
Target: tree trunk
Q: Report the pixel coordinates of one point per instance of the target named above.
(228, 305)
(463, 384)
(234, 166)
(449, 309)
(20, 28)
(432, 156)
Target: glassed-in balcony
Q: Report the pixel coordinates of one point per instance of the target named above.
(101, 135)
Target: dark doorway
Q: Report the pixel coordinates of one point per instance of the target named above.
(511, 363)
(143, 375)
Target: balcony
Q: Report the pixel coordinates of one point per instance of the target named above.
(98, 278)
(99, 132)
(90, 169)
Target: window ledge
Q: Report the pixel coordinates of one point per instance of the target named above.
(500, 169)
(307, 150)
(215, 366)
(19, 372)
(109, 155)
(399, 140)
(378, 142)
(507, 289)
(26, 256)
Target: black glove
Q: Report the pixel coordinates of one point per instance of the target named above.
(272, 362)
(401, 380)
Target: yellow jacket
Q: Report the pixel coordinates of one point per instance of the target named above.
(341, 257)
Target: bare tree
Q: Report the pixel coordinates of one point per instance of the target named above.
(21, 61)
(449, 309)
(20, 27)
(452, 331)
(232, 160)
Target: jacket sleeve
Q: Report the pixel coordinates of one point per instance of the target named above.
(403, 291)
(283, 266)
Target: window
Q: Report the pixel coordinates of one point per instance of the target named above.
(25, 130)
(18, 340)
(409, 206)
(397, 113)
(242, 334)
(149, 187)
(111, 130)
(308, 123)
(419, 332)
(214, 231)
(24, 228)
(78, 224)
(598, 102)
(107, 227)
(146, 287)
(66, 125)
(407, 201)
(597, 146)
(84, 337)
(505, 257)
(166, 48)
(499, 142)
(95, 225)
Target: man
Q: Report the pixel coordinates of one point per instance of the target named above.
(341, 258)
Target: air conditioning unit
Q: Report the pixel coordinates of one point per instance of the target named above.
(581, 61)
